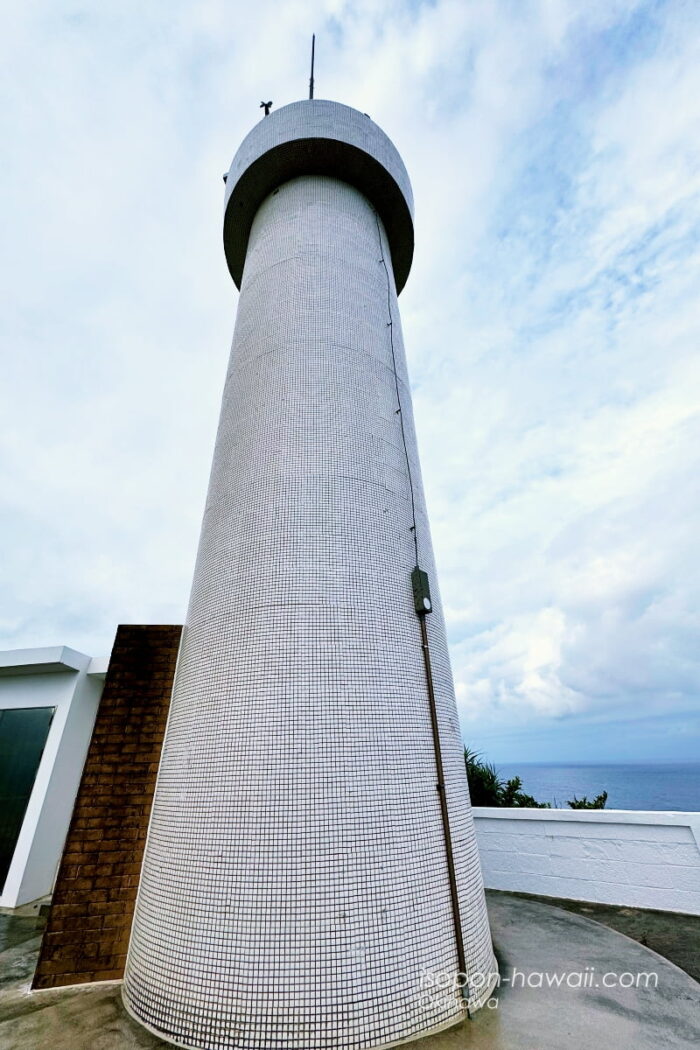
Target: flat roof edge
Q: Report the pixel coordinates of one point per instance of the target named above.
(42, 660)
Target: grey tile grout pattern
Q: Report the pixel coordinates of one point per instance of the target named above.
(294, 890)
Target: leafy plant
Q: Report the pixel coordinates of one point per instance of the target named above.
(582, 803)
(487, 788)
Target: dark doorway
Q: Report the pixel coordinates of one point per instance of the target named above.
(23, 733)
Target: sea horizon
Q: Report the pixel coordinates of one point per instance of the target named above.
(634, 785)
(619, 762)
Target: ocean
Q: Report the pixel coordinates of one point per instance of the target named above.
(674, 786)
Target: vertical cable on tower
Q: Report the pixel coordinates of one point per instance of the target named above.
(311, 78)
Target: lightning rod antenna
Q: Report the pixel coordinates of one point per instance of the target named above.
(311, 78)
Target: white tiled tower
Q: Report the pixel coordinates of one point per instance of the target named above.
(296, 889)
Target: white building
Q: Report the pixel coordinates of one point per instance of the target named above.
(48, 702)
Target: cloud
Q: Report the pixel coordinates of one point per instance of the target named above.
(550, 321)
(568, 500)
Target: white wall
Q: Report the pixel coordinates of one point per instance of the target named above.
(641, 859)
(63, 679)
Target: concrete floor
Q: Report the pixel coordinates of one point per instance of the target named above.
(531, 938)
(675, 936)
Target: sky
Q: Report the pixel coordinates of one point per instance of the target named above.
(551, 322)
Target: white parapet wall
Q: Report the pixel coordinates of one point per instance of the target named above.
(626, 857)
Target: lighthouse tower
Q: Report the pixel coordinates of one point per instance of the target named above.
(311, 878)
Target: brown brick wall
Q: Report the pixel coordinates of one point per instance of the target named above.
(87, 932)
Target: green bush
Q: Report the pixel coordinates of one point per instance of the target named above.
(487, 788)
(596, 803)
